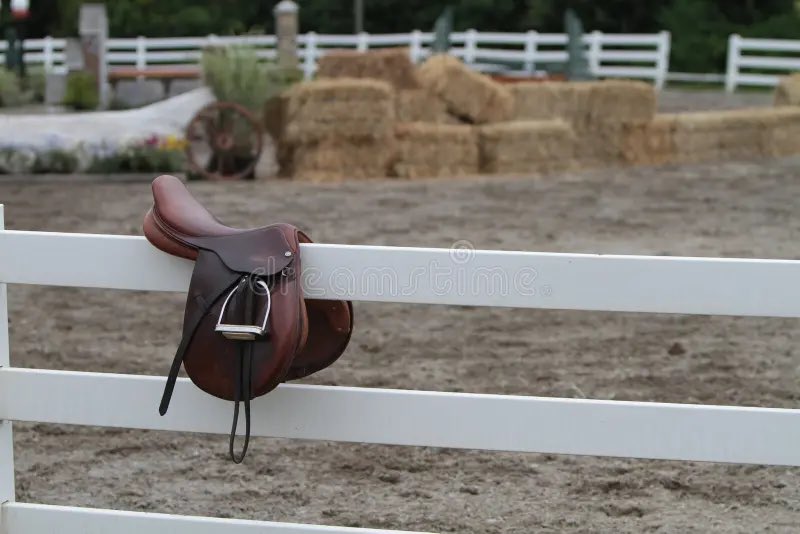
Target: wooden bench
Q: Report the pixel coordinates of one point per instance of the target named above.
(166, 75)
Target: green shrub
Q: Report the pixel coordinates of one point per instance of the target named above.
(81, 91)
(35, 83)
(56, 160)
(11, 93)
(140, 159)
(235, 74)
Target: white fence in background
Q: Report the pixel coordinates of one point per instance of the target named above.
(47, 53)
(748, 287)
(760, 62)
(643, 56)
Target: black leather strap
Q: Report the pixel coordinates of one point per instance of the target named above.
(191, 323)
(242, 392)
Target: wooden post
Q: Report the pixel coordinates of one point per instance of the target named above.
(286, 28)
(6, 439)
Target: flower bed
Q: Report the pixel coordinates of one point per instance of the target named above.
(152, 154)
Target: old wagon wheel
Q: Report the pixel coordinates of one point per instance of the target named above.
(224, 142)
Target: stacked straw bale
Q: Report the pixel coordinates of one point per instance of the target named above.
(719, 135)
(526, 147)
(610, 101)
(545, 100)
(391, 65)
(469, 95)
(602, 114)
(429, 150)
(788, 91)
(420, 105)
(781, 131)
(339, 128)
(650, 143)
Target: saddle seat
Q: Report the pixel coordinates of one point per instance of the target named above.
(241, 279)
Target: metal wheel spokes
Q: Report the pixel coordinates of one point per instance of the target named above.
(224, 142)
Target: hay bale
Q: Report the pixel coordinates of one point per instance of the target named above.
(599, 145)
(420, 105)
(615, 102)
(788, 91)
(391, 65)
(469, 95)
(544, 100)
(719, 135)
(338, 109)
(585, 103)
(781, 131)
(650, 143)
(332, 160)
(526, 147)
(430, 150)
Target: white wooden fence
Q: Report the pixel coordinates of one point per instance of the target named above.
(748, 287)
(609, 55)
(760, 62)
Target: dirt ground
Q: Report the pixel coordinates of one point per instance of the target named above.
(726, 210)
(731, 210)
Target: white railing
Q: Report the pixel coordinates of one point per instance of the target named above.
(760, 62)
(747, 287)
(47, 53)
(609, 55)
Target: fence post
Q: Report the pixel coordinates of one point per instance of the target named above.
(470, 46)
(141, 53)
(287, 16)
(732, 68)
(415, 46)
(662, 65)
(48, 54)
(6, 439)
(362, 45)
(595, 49)
(531, 47)
(310, 59)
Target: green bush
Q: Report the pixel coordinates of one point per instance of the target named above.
(140, 159)
(235, 74)
(56, 160)
(11, 93)
(81, 91)
(35, 83)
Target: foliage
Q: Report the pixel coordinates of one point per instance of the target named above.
(56, 160)
(11, 93)
(235, 74)
(152, 155)
(35, 83)
(81, 91)
(700, 27)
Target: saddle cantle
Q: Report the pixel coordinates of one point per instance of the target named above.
(246, 327)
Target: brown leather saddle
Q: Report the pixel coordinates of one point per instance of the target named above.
(246, 327)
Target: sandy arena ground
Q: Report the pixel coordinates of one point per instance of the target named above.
(731, 210)
(727, 210)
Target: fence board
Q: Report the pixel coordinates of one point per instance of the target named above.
(716, 286)
(47, 519)
(417, 418)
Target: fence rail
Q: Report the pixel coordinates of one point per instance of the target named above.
(643, 56)
(760, 62)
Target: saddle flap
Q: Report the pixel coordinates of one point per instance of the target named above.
(263, 252)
